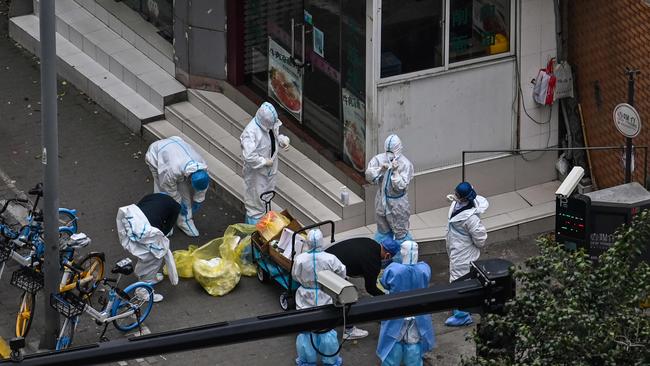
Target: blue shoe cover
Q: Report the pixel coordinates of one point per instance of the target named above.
(460, 313)
(454, 321)
(250, 220)
(303, 363)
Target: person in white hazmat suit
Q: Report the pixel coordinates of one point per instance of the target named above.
(142, 230)
(393, 172)
(179, 171)
(406, 340)
(466, 235)
(259, 143)
(305, 270)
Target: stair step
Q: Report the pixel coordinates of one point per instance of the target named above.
(300, 169)
(88, 75)
(114, 53)
(134, 29)
(223, 147)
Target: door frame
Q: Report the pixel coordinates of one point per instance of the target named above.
(235, 41)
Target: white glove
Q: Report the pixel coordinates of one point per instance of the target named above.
(385, 166)
(395, 164)
(268, 162)
(284, 142)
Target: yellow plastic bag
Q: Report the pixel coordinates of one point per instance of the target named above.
(239, 251)
(208, 250)
(217, 276)
(240, 230)
(271, 224)
(184, 260)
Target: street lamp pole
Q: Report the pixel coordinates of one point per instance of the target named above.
(628, 140)
(50, 161)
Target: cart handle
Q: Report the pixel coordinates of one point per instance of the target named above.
(267, 202)
(293, 237)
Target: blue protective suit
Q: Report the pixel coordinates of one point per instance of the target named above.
(391, 349)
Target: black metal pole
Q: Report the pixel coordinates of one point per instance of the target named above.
(628, 140)
(463, 168)
(50, 159)
(548, 149)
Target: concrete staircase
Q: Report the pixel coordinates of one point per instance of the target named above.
(214, 123)
(98, 61)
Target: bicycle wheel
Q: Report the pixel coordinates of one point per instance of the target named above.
(91, 265)
(25, 314)
(140, 300)
(67, 333)
(67, 219)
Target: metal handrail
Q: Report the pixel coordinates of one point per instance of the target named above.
(596, 148)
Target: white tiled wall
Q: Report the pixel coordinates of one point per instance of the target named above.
(538, 45)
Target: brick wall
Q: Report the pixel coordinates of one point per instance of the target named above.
(605, 36)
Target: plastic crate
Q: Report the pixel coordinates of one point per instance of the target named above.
(67, 304)
(28, 280)
(5, 249)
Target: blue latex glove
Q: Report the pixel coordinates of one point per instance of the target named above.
(183, 209)
(196, 206)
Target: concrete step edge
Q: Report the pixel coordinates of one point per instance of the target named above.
(131, 118)
(106, 12)
(97, 50)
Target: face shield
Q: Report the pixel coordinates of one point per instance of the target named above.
(393, 145)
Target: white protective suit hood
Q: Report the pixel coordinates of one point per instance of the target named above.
(315, 240)
(266, 116)
(393, 144)
(409, 252)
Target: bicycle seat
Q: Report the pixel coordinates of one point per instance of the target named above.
(125, 267)
(76, 241)
(37, 190)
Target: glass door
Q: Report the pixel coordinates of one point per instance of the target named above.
(308, 57)
(322, 88)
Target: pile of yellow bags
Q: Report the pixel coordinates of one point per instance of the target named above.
(218, 265)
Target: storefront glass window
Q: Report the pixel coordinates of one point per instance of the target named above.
(414, 37)
(411, 35)
(478, 28)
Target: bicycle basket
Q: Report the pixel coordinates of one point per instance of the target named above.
(5, 249)
(67, 304)
(27, 279)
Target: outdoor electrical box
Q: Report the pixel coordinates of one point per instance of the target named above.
(611, 208)
(572, 221)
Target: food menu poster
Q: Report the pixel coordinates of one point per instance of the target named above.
(285, 80)
(354, 130)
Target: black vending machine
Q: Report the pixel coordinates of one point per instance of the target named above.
(611, 208)
(589, 221)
